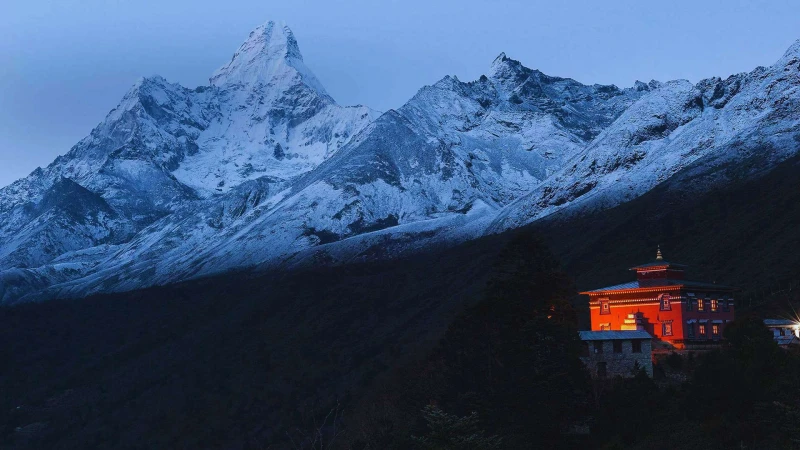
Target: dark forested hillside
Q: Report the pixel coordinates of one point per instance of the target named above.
(509, 366)
(245, 360)
(223, 362)
(745, 234)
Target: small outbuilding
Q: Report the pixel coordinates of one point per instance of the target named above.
(784, 331)
(617, 353)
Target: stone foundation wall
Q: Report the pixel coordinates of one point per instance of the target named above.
(621, 364)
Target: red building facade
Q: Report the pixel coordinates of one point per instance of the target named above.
(664, 303)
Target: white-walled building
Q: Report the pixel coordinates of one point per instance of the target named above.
(784, 331)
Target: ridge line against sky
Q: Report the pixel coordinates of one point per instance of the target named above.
(67, 63)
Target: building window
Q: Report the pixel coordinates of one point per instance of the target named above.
(665, 303)
(702, 329)
(636, 346)
(617, 346)
(729, 304)
(666, 328)
(715, 330)
(601, 370)
(714, 305)
(604, 307)
(689, 304)
(690, 330)
(598, 346)
(726, 306)
(605, 326)
(699, 304)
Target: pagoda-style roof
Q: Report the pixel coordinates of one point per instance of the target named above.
(647, 284)
(659, 263)
(653, 283)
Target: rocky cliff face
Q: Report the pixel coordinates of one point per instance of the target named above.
(709, 133)
(263, 169)
(166, 148)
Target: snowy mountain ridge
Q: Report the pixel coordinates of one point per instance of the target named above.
(262, 169)
(165, 146)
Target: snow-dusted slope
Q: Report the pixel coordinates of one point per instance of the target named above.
(165, 147)
(707, 133)
(442, 164)
(125, 163)
(273, 117)
(262, 169)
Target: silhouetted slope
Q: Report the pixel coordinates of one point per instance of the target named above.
(242, 358)
(746, 233)
(223, 361)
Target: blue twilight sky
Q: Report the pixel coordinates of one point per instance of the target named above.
(64, 64)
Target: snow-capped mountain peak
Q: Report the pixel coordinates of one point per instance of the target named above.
(269, 56)
(166, 148)
(263, 169)
(504, 68)
(792, 53)
(272, 117)
(500, 58)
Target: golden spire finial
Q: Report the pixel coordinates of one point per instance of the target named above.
(658, 254)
